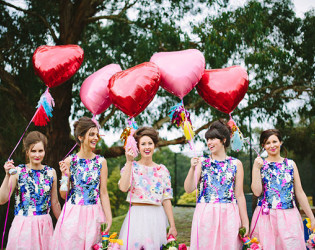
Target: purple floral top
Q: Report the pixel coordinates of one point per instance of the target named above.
(85, 180)
(217, 181)
(277, 178)
(33, 191)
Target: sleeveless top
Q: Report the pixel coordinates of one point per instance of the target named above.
(278, 185)
(151, 185)
(85, 180)
(33, 191)
(217, 181)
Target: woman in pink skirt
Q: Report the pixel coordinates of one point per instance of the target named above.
(276, 221)
(221, 205)
(35, 188)
(87, 205)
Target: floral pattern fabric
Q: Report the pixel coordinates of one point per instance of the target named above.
(277, 178)
(33, 191)
(217, 181)
(85, 180)
(150, 185)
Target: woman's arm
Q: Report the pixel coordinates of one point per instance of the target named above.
(240, 197)
(65, 170)
(9, 182)
(301, 197)
(256, 177)
(55, 205)
(169, 213)
(104, 196)
(124, 182)
(190, 181)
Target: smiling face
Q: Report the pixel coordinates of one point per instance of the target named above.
(36, 153)
(90, 139)
(215, 145)
(146, 147)
(273, 145)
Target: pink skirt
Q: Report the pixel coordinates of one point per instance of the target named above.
(218, 226)
(31, 232)
(281, 229)
(81, 227)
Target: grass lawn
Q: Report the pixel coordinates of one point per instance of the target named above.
(183, 218)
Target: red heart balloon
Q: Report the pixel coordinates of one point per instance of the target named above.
(57, 64)
(133, 89)
(223, 88)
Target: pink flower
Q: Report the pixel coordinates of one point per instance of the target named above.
(254, 246)
(97, 246)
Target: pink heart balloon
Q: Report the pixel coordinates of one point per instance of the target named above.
(180, 70)
(94, 90)
(223, 88)
(133, 89)
(57, 64)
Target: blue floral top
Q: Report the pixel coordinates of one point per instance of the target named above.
(278, 184)
(217, 181)
(33, 191)
(85, 180)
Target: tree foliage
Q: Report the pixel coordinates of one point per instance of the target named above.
(266, 37)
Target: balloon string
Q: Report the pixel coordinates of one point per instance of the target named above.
(63, 214)
(130, 193)
(250, 144)
(18, 143)
(7, 214)
(22, 135)
(192, 146)
(255, 222)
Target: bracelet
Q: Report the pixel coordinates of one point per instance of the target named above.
(63, 183)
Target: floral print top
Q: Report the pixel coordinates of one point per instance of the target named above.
(277, 179)
(85, 180)
(217, 181)
(151, 185)
(33, 191)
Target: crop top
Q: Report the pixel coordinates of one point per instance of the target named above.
(151, 185)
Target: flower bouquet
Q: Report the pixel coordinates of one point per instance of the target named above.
(172, 244)
(109, 242)
(251, 244)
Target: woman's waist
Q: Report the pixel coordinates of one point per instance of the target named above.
(144, 204)
(30, 212)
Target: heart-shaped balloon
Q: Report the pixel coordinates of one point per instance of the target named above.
(180, 70)
(223, 88)
(133, 89)
(57, 64)
(94, 90)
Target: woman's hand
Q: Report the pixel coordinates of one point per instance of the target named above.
(64, 168)
(194, 162)
(8, 165)
(172, 231)
(129, 154)
(258, 163)
(247, 230)
(109, 224)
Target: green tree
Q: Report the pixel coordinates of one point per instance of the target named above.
(188, 199)
(117, 198)
(275, 46)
